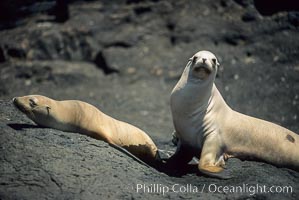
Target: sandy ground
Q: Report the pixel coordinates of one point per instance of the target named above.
(146, 44)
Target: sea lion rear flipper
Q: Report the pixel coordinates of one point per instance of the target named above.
(175, 139)
(178, 163)
(181, 157)
(122, 149)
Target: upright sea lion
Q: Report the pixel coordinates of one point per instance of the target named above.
(81, 117)
(207, 128)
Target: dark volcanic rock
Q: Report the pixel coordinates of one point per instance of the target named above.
(294, 18)
(12, 12)
(249, 16)
(16, 53)
(2, 56)
(71, 160)
(101, 62)
(60, 11)
(268, 7)
(42, 163)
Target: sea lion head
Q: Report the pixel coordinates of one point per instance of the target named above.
(36, 107)
(204, 64)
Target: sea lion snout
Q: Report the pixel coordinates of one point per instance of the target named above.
(16, 101)
(205, 56)
(204, 64)
(25, 103)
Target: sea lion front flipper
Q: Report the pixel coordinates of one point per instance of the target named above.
(216, 172)
(181, 157)
(211, 161)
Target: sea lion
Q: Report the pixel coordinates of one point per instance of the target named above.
(81, 117)
(207, 128)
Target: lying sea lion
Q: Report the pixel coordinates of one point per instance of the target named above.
(81, 117)
(207, 128)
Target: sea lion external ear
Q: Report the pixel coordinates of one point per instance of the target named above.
(215, 61)
(48, 109)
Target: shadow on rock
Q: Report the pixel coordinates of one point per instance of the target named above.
(19, 126)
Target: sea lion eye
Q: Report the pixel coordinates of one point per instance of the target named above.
(32, 103)
(193, 59)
